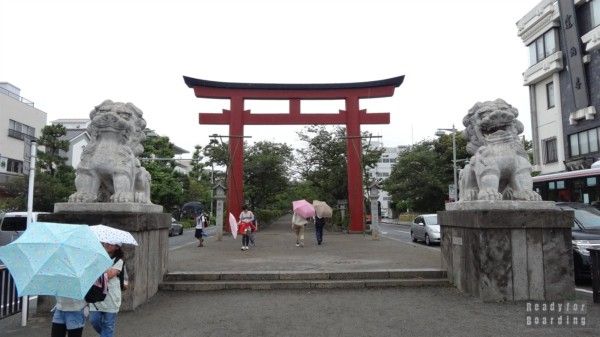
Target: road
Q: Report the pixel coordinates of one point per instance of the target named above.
(187, 238)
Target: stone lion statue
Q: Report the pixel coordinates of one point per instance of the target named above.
(499, 168)
(109, 170)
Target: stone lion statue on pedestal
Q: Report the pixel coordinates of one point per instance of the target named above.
(109, 170)
(499, 168)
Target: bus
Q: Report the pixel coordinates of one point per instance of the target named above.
(575, 186)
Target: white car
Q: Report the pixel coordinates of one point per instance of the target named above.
(13, 224)
(425, 228)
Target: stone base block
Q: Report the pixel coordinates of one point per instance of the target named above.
(509, 254)
(146, 263)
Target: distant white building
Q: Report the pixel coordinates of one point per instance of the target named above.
(20, 122)
(78, 139)
(382, 171)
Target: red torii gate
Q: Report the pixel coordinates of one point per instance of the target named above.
(236, 117)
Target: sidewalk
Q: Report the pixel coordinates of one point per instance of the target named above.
(428, 311)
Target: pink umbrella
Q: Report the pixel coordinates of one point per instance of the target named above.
(303, 208)
(233, 225)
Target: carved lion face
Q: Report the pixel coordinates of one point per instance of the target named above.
(491, 122)
(124, 119)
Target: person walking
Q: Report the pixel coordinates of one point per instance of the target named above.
(103, 315)
(68, 318)
(319, 224)
(201, 223)
(298, 223)
(245, 226)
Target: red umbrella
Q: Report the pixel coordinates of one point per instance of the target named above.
(303, 208)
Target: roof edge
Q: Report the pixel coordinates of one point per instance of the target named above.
(195, 82)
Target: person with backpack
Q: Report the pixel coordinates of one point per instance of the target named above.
(103, 315)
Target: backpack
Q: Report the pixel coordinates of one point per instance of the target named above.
(98, 291)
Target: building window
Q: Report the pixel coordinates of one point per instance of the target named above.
(584, 142)
(543, 47)
(550, 95)
(595, 10)
(15, 166)
(19, 130)
(550, 154)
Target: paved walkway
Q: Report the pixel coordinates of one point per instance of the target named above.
(436, 311)
(276, 251)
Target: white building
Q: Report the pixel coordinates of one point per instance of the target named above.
(20, 122)
(78, 139)
(382, 171)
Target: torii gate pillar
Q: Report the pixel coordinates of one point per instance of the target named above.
(352, 117)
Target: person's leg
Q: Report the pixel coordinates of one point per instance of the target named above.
(96, 320)
(108, 324)
(75, 321)
(297, 232)
(58, 330)
(301, 236)
(319, 232)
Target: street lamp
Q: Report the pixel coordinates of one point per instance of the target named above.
(441, 132)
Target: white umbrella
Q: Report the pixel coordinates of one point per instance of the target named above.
(113, 236)
(233, 226)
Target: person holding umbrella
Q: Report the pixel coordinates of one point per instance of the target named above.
(322, 211)
(302, 210)
(103, 315)
(68, 318)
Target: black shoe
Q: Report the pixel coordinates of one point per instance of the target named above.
(319, 243)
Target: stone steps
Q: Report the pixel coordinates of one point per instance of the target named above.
(206, 281)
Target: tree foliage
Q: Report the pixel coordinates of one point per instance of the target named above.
(323, 162)
(266, 172)
(421, 175)
(50, 159)
(167, 187)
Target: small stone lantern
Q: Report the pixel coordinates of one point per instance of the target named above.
(373, 197)
(219, 195)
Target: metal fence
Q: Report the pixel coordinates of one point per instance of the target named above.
(10, 303)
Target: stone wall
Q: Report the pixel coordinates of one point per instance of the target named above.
(509, 255)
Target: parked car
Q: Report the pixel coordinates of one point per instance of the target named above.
(13, 224)
(176, 228)
(425, 228)
(586, 234)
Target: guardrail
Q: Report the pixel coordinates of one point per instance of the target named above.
(10, 303)
(595, 271)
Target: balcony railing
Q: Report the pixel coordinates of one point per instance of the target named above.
(10, 302)
(15, 96)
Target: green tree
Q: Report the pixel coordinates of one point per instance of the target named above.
(167, 186)
(323, 161)
(266, 173)
(421, 175)
(50, 159)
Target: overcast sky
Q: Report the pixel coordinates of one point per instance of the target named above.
(68, 56)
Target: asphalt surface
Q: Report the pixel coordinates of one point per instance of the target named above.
(435, 311)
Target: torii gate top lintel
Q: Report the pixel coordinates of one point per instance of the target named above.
(352, 116)
(371, 89)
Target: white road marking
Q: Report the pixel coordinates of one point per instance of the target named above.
(412, 243)
(584, 290)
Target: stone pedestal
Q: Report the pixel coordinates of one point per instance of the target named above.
(507, 252)
(146, 263)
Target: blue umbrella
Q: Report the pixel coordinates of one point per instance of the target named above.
(55, 259)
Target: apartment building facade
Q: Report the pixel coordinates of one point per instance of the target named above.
(382, 171)
(20, 122)
(563, 38)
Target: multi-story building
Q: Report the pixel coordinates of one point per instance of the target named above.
(563, 37)
(382, 171)
(20, 122)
